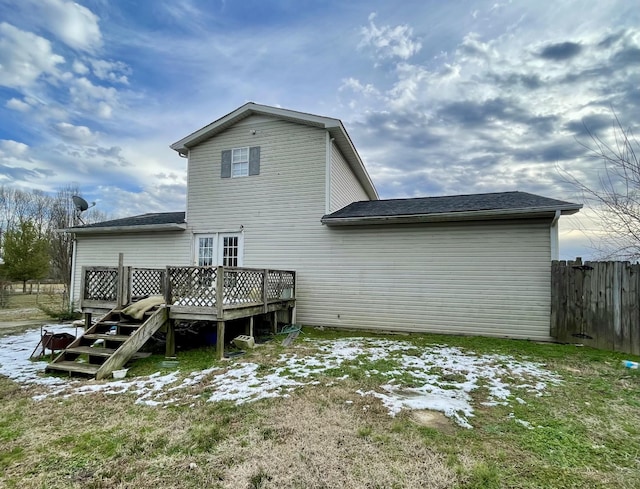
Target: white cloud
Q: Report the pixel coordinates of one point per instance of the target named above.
(113, 71)
(80, 68)
(355, 85)
(72, 23)
(87, 96)
(390, 42)
(75, 134)
(19, 105)
(13, 148)
(24, 57)
(104, 110)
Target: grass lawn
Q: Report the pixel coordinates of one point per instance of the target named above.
(29, 307)
(582, 431)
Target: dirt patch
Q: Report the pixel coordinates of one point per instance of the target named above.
(432, 419)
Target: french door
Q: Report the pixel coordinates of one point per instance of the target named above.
(219, 249)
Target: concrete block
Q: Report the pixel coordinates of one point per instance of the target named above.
(244, 342)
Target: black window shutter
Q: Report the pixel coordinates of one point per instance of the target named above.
(254, 160)
(225, 171)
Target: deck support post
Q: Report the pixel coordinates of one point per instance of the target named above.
(87, 320)
(220, 340)
(170, 346)
(265, 290)
(250, 325)
(275, 322)
(220, 311)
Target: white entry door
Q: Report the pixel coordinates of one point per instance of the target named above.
(219, 249)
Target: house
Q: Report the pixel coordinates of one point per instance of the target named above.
(276, 188)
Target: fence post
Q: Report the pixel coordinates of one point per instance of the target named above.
(634, 312)
(616, 292)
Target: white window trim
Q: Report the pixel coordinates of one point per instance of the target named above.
(196, 247)
(240, 162)
(218, 240)
(240, 237)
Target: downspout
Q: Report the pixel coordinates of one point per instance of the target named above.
(187, 156)
(555, 248)
(327, 174)
(72, 284)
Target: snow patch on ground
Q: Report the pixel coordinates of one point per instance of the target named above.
(442, 377)
(15, 351)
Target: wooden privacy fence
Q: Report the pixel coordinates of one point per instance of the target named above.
(596, 303)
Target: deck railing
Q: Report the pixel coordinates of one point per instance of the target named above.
(144, 282)
(215, 289)
(99, 286)
(205, 290)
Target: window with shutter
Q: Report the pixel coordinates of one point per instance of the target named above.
(240, 162)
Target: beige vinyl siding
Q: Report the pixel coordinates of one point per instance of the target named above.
(490, 278)
(345, 187)
(279, 210)
(151, 250)
(285, 201)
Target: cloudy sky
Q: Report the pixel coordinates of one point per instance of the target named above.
(439, 97)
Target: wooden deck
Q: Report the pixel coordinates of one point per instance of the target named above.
(217, 294)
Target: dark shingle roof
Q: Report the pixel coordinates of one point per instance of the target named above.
(141, 220)
(424, 206)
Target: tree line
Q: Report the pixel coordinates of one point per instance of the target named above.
(31, 246)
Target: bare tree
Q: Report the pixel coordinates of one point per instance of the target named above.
(616, 200)
(61, 244)
(63, 216)
(15, 207)
(39, 212)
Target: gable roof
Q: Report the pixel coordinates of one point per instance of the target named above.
(333, 126)
(500, 205)
(160, 221)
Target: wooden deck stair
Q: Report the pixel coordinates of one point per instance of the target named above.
(121, 337)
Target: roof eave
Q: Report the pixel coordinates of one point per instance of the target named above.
(153, 228)
(348, 149)
(493, 214)
(183, 145)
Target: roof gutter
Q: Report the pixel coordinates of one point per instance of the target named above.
(526, 213)
(155, 228)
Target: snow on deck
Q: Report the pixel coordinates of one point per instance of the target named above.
(441, 377)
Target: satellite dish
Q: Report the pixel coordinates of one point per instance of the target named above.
(81, 205)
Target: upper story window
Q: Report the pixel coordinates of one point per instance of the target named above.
(240, 162)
